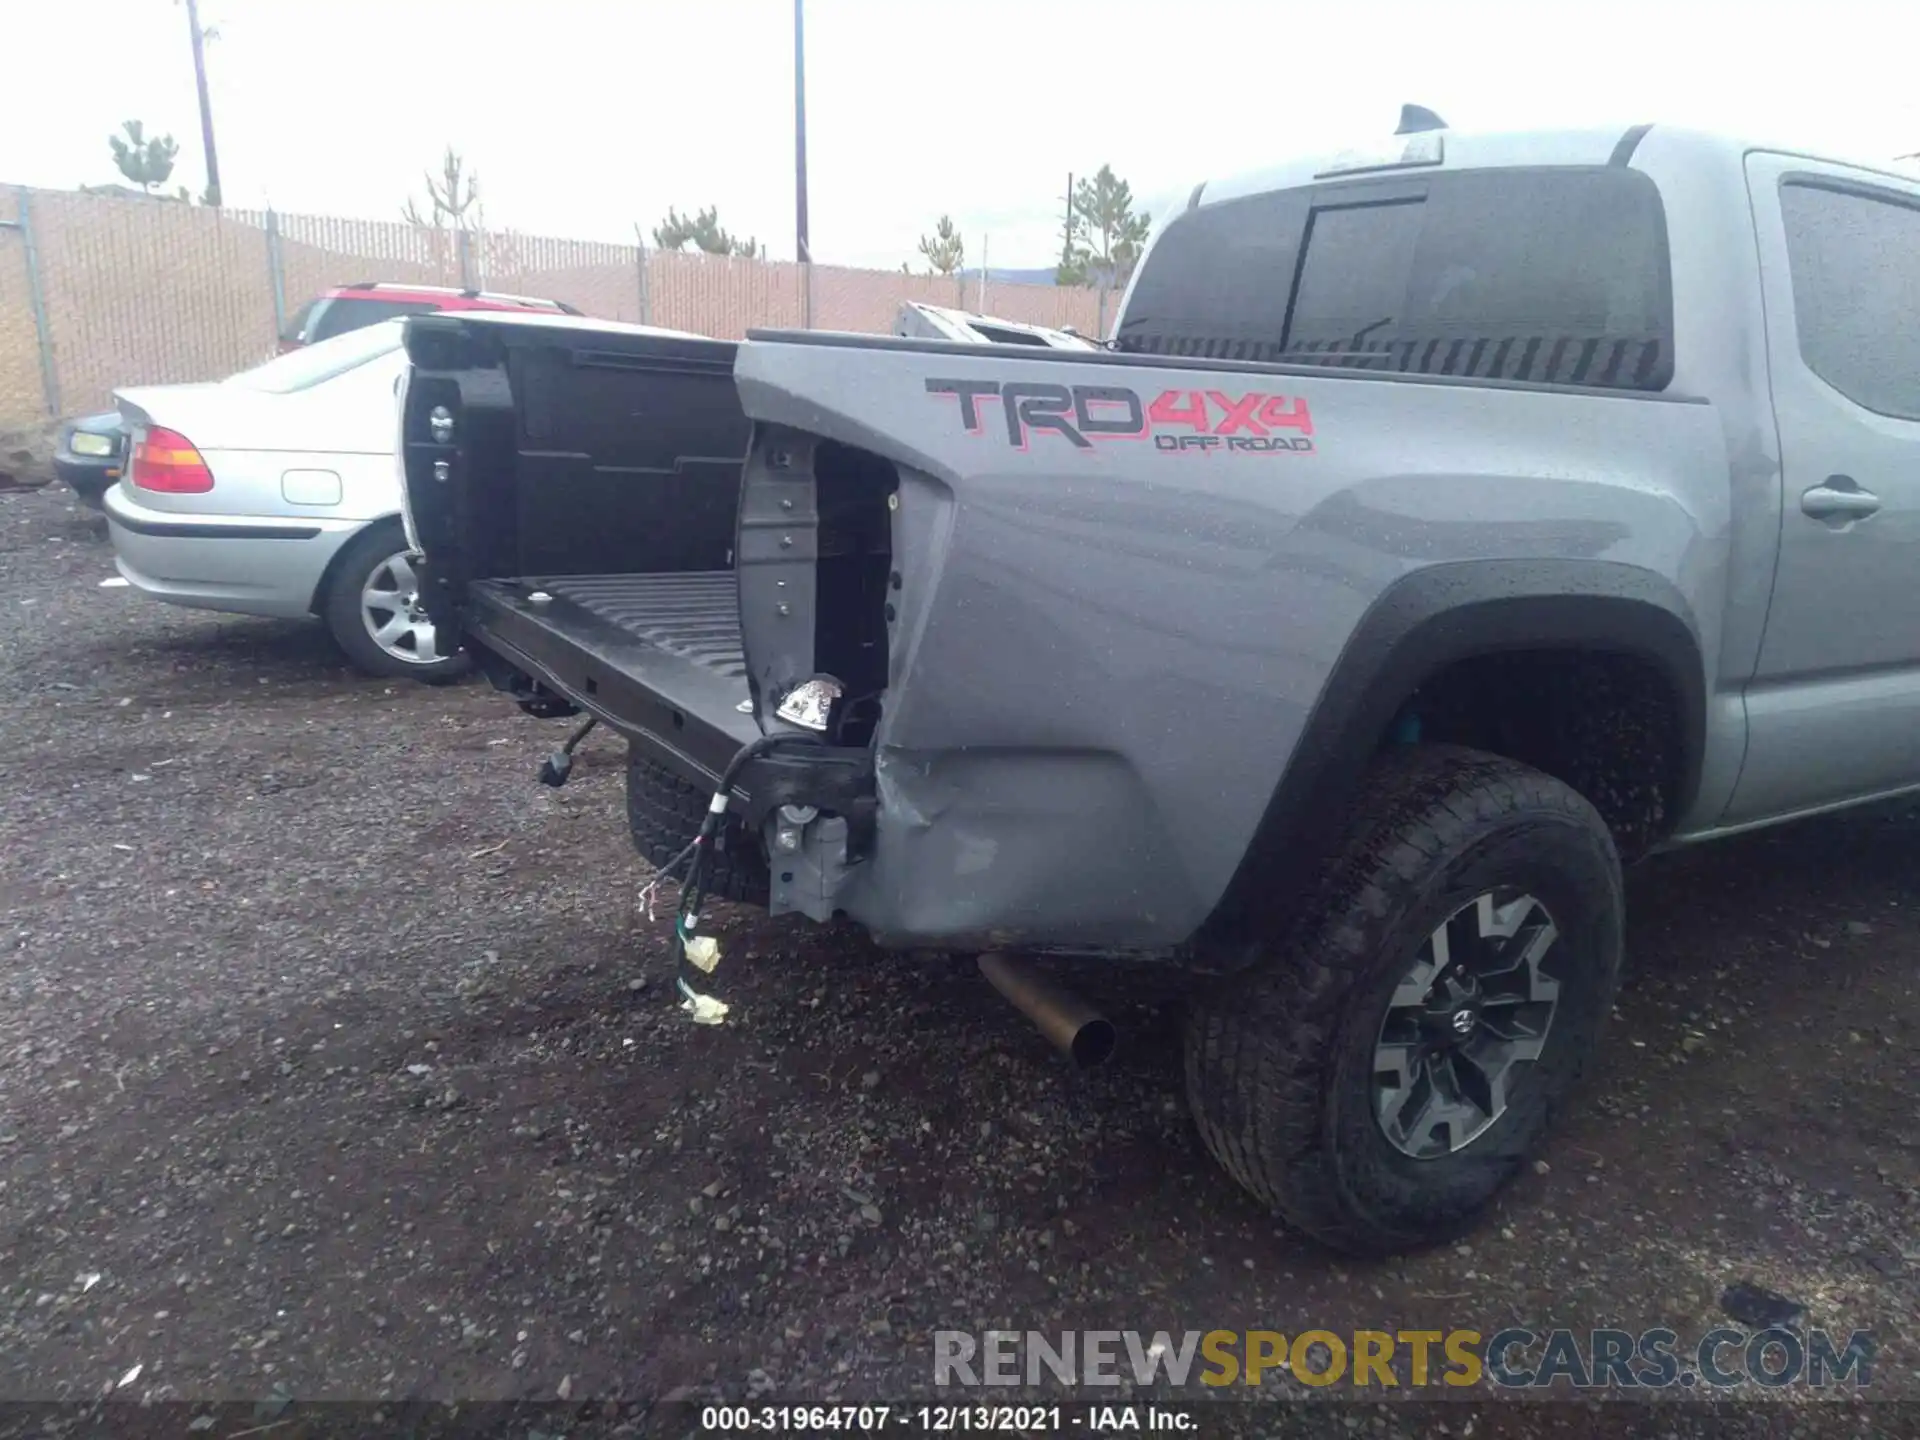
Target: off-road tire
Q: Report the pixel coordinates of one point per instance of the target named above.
(664, 812)
(1280, 1056)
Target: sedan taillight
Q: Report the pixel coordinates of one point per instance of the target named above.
(166, 460)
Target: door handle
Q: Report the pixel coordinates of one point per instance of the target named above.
(1839, 499)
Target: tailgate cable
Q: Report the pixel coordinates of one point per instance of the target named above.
(555, 769)
(703, 951)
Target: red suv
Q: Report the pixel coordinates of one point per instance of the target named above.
(348, 307)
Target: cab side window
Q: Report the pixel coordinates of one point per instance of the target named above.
(1854, 256)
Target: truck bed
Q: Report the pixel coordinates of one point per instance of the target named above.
(695, 616)
(657, 657)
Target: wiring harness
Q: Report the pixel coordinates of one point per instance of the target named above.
(697, 950)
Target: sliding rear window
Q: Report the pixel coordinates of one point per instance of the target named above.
(1555, 275)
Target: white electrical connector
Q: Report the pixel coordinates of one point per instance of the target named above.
(703, 952)
(704, 1009)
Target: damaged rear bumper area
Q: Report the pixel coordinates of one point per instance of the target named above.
(944, 804)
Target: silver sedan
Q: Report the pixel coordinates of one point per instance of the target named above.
(276, 492)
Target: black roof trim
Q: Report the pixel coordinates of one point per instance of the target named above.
(1628, 143)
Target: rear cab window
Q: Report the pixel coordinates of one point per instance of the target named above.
(1543, 274)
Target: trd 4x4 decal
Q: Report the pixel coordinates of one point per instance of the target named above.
(1181, 420)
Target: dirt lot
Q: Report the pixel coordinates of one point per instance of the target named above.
(336, 1061)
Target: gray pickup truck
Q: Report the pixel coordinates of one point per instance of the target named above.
(1442, 528)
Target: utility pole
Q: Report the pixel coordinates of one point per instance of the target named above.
(802, 250)
(206, 106)
(1066, 245)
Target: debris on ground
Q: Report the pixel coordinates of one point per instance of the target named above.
(1758, 1307)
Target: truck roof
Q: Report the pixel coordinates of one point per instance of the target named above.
(1460, 150)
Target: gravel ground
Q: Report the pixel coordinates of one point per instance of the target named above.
(336, 1060)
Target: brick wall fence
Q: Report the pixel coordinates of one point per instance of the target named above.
(146, 291)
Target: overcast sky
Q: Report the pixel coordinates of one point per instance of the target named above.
(584, 116)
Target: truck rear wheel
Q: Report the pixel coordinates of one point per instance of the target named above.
(664, 812)
(1392, 1060)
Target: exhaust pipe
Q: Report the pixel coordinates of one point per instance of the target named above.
(1076, 1029)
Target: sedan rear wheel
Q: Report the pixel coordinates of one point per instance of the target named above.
(373, 609)
(390, 609)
